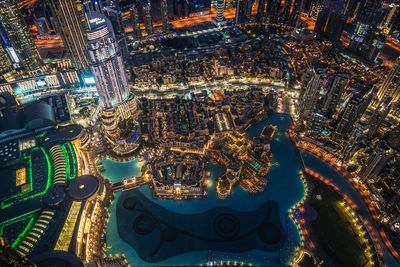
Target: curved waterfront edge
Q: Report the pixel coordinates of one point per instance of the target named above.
(277, 189)
(339, 180)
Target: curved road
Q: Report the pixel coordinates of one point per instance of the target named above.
(318, 165)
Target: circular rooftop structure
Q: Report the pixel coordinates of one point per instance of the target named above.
(83, 187)
(54, 196)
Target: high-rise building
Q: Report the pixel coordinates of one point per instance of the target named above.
(353, 143)
(72, 25)
(106, 61)
(336, 85)
(317, 123)
(114, 14)
(366, 40)
(220, 12)
(148, 20)
(320, 24)
(18, 32)
(353, 111)
(335, 26)
(308, 99)
(394, 140)
(375, 162)
(374, 44)
(378, 116)
(391, 85)
(272, 11)
(243, 11)
(164, 15)
(260, 10)
(391, 18)
(368, 12)
(291, 11)
(137, 34)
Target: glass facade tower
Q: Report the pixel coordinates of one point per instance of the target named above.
(106, 61)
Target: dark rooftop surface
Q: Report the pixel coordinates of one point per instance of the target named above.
(83, 187)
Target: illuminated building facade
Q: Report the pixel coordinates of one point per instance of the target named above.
(375, 162)
(308, 99)
(148, 20)
(367, 40)
(391, 19)
(164, 15)
(137, 34)
(18, 32)
(391, 85)
(114, 14)
(220, 11)
(336, 86)
(317, 123)
(353, 111)
(378, 116)
(106, 61)
(72, 25)
(353, 143)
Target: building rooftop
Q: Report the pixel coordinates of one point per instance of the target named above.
(83, 187)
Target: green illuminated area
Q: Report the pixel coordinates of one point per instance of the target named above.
(69, 155)
(27, 159)
(34, 191)
(24, 233)
(15, 229)
(35, 188)
(39, 171)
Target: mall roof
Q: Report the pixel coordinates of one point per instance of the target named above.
(36, 115)
(83, 187)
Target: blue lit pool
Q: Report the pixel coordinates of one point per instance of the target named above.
(118, 171)
(284, 188)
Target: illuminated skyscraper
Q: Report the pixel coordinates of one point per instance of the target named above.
(391, 85)
(308, 98)
(320, 24)
(72, 25)
(317, 123)
(106, 62)
(18, 32)
(353, 143)
(353, 111)
(148, 20)
(336, 85)
(391, 19)
(220, 11)
(375, 162)
(164, 15)
(379, 116)
(366, 39)
(135, 22)
(114, 14)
